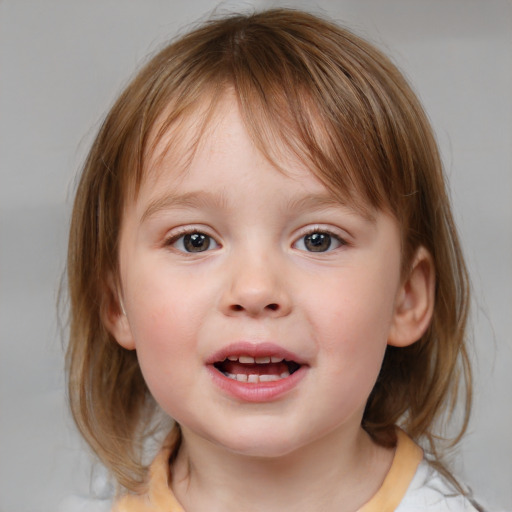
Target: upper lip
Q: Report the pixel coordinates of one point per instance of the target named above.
(254, 349)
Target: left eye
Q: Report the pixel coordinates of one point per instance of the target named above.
(318, 241)
(194, 242)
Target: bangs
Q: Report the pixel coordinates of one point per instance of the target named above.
(325, 98)
(335, 103)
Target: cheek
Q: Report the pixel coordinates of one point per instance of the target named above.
(352, 323)
(358, 310)
(165, 342)
(164, 303)
(164, 319)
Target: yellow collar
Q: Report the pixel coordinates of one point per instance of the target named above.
(160, 498)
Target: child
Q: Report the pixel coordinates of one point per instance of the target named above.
(262, 248)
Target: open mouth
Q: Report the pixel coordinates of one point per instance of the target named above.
(256, 369)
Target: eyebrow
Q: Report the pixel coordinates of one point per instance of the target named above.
(205, 199)
(321, 201)
(188, 200)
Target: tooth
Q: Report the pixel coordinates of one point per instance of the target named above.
(276, 359)
(284, 375)
(231, 376)
(246, 359)
(232, 358)
(262, 360)
(241, 377)
(268, 378)
(253, 378)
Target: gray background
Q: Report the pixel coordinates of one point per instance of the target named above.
(62, 63)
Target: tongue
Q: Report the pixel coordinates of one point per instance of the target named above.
(235, 367)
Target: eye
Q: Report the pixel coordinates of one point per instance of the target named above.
(318, 241)
(193, 242)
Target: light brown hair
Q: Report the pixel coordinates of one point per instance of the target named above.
(344, 109)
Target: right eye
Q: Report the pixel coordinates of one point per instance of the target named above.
(193, 242)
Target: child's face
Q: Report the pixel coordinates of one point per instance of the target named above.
(231, 264)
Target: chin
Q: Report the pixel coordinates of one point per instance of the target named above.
(261, 443)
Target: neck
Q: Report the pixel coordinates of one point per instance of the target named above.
(339, 472)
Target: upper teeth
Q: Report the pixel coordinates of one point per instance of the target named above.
(258, 360)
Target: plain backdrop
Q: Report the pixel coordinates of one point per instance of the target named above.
(63, 62)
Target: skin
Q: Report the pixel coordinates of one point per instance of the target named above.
(259, 282)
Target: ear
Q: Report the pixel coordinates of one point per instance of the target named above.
(415, 301)
(114, 317)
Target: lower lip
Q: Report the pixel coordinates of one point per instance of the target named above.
(257, 391)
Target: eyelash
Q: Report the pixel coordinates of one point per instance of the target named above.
(202, 237)
(322, 231)
(182, 234)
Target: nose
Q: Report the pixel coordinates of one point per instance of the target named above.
(257, 288)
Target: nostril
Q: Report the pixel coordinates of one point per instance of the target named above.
(269, 307)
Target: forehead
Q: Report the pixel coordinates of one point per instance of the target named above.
(209, 149)
(213, 132)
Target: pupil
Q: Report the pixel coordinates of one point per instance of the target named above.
(317, 242)
(196, 242)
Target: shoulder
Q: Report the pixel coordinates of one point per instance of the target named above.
(429, 490)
